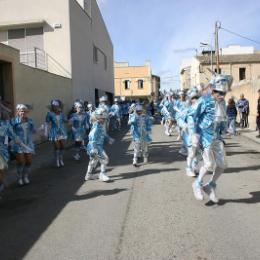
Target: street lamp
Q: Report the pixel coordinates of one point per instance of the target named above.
(211, 54)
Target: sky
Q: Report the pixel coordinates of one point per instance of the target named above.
(167, 31)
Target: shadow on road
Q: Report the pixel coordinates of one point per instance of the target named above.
(255, 198)
(27, 212)
(242, 169)
(97, 193)
(136, 174)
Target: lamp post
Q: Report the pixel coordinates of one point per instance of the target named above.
(211, 54)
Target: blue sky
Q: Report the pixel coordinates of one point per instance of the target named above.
(154, 29)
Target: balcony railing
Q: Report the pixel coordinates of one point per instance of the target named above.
(39, 59)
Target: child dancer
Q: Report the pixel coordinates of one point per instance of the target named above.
(115, 114)
(23, 127)
(141, 126)
(79, 122)
(55, 130)
(6, 133)
(95, 147)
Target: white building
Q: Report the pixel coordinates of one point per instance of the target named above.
(65, 37)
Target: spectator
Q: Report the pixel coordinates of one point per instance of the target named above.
(258, 114)
(232, 115)
(243, 108)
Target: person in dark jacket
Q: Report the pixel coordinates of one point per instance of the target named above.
(232, 115)
(258, 114)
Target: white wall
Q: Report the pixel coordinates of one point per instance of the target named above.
(56, 41)
(103, 79)
(85, 33)
(237, 49)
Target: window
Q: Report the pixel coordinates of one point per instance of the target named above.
(26, 39)
(217, 71)
(140, 84)
(95, 54)
(242, 73)
(127, 84)
(105, 62)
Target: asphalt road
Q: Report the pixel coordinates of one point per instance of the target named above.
(143, 213)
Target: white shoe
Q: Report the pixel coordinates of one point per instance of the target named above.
(135, 162)
(178, 138)
(87, 176)
(145, 160)
(61, 163)
(211, 192)
(58, 163)
(76, 157)
(103, 177)
(167, 133)
(20, 182)
(190, 173)
(197, 190)
(183, 152)
(26, 180)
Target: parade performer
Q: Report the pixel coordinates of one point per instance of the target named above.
(23, 127)
(95, 147)
(91, 112)
(180, 108)
(141, 127)
(212, 146)
(55, 130)
(189, 138)
(103, 104)
(79, 122)
(115, 114)
(168, 113)
(6, 133)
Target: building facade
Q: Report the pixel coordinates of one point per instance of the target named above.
(135, 82)
(242, 63)
(64, 37)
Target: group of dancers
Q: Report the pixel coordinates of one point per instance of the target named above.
(199, 116)
(86, 126)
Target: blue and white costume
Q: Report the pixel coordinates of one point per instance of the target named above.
(141, 127)
(169, 113)
(57, 130)
(103, 105)
(6, 133)
(24, 130)
(212, 145)
(80, 125)
(95, 147)
(115, 114)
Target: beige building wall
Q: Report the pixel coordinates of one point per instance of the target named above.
(56, 41)
(35, 87)
(133, 74)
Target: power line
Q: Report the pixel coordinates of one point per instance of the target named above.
(239, 35)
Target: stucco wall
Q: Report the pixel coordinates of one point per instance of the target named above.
(36, 87)
(56, 41)
(85, 33)
(102, 79)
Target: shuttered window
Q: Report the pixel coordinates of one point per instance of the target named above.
(26, 39)
(16, 39)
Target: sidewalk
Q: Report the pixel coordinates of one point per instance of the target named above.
(44, 156)
(250, 134)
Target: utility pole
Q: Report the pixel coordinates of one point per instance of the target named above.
(217, 26)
